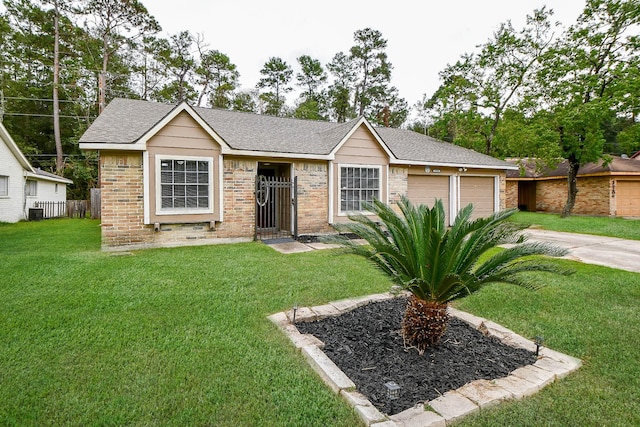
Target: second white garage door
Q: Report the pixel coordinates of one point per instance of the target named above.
(479, 190)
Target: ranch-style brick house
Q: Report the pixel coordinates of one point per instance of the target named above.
(179, 175)
(604, 189)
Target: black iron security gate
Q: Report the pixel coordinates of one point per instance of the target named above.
(276, 207)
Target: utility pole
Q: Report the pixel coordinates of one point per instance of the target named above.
(1, 95)
(56, 81)
(1, 101)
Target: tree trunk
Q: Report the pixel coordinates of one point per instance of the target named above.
(56, 80)
(424, 323)
(102, 78)
(572, 184)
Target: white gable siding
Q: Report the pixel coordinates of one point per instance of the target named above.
(11, 206)
(47, 192)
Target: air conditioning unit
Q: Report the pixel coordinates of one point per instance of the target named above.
(36, 214)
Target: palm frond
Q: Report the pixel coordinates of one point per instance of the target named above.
(436, 263)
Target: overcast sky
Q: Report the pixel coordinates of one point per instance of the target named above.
(423, 36)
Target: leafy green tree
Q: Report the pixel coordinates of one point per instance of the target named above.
(437, 264)
(628, 139)
(371, 65)
(277, 77)
(524, 136)
(179, 64)
(244, 101)
(29, 47)
(478, 89)
(116, 23)
(588, 73)
(340, 92)
(311, 78)
(149, 74)
(310, 109)
(5, 34)
(375, 98)
(392, 109)
(28, 77)
(47, 82)
(218, 77)
(452, 112)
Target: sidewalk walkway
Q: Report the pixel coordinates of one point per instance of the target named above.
(291, 246)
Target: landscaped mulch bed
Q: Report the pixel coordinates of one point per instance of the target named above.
(367, 345)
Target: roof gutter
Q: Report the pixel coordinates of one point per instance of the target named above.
(48, 178)
(454, 165)
(139, 146)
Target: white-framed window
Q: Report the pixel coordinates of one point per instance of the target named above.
(184, 185)
(4, 185)
(358, 184)
(32, 187)
(56, 188)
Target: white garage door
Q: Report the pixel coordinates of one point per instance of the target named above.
(628, 198)
(424, 189)
(478, 190)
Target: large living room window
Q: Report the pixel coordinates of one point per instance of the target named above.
(358, 184)
(185, 185)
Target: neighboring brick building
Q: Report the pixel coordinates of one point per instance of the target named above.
(178, 175)
(611, 189)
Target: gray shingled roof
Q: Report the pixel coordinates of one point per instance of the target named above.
(531, 169)
(125, 121)
(413, 146)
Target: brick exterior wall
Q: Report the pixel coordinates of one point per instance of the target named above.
(313, 198)
(239, 211)
(121, 180)
(502, 191)
(239, 198)
(398, 184)
(123, 207)
(511, 194)
(123, 203)
(593, 196)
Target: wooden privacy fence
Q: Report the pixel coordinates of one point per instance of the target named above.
(95, 203)
(77, 208)
(69, 208)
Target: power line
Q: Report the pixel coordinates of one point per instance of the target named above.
(55, 155)
(48, 115)
(37, 99)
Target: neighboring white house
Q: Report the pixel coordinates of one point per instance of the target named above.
(22, 185)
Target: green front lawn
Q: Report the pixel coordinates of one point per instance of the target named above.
(180, 336)
(598, 225)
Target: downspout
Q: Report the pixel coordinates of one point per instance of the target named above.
(24, 195)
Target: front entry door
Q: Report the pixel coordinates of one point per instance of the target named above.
(276, 207)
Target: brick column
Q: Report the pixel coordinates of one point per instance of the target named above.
(121, 180)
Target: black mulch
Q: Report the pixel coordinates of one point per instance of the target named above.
(366, 344)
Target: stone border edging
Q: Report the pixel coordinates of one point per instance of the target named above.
(452, 405)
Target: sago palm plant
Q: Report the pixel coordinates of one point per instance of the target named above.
(437, 264)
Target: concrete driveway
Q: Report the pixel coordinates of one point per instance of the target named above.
(608, 251)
